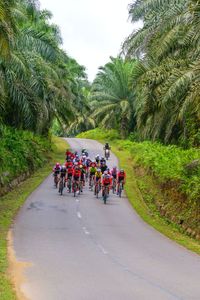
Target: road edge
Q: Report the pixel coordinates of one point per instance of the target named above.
(137, 201)
(10, 205)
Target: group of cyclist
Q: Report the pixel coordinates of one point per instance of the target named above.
(81, 168)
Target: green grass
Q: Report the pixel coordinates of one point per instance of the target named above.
(10, 204)
(141, 190)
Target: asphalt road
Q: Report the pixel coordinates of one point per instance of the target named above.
(81, 249)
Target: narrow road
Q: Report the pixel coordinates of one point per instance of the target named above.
(81, 249)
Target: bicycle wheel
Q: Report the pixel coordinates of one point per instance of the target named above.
(105, 195)
(61, 186)
(120, 190)
(56, 181)
(69, 185)
(74, 189)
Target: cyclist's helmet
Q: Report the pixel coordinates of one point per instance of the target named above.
(63, 167)
(114, 168)
(98, 170)
(57, 164)
(76, 163)
(105, 172)
(122, 171)
(81, 166)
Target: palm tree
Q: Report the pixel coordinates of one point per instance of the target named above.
(112, 97)
(166, 80)
(36, 80)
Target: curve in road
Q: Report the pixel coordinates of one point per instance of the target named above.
(81, 249)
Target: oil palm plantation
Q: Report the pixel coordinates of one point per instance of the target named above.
(112, 97)
(166, 80)
(36, 77)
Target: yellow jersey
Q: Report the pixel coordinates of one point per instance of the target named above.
(98, 174)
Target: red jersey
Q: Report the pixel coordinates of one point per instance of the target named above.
(76, 173)
(121, 175)
(69, 164)
(70, 170)
(107, 180)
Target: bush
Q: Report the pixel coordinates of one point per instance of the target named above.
(20, 151)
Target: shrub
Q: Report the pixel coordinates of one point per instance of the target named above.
(20, 151)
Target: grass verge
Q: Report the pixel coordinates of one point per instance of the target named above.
(134, 191)
(10, 204)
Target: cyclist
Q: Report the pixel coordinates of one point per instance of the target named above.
(92, 169)
(70, 170)
(56, 172)
(108, 170)
(68, 154)
(76, 159)
(56, 168)
(97, 158)
(97, 178)
(102, 160)
(106, 181)
(63, 172)
(103, 167)
(107, 148)
(76, 176)
(69, 163)
(114, 173)
(121, 176)
(84, 152)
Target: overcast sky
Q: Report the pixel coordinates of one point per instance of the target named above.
(92, 30)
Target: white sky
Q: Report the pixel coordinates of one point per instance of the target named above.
(92, 30)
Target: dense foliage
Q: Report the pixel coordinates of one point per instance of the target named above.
(20, 152)
(166, 79)
(154, 92)
(38, 80)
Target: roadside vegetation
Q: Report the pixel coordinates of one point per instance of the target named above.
(163, 186)
(10, 204)
(21, 154)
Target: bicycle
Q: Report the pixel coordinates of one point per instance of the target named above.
(76, 187)
(120, 188)
(114, 185)
(56, 180)
(97, 189)
(105, 193)
(61, 185)
(81, 186)
(69, 184)
(86, 174)
(91, 182)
